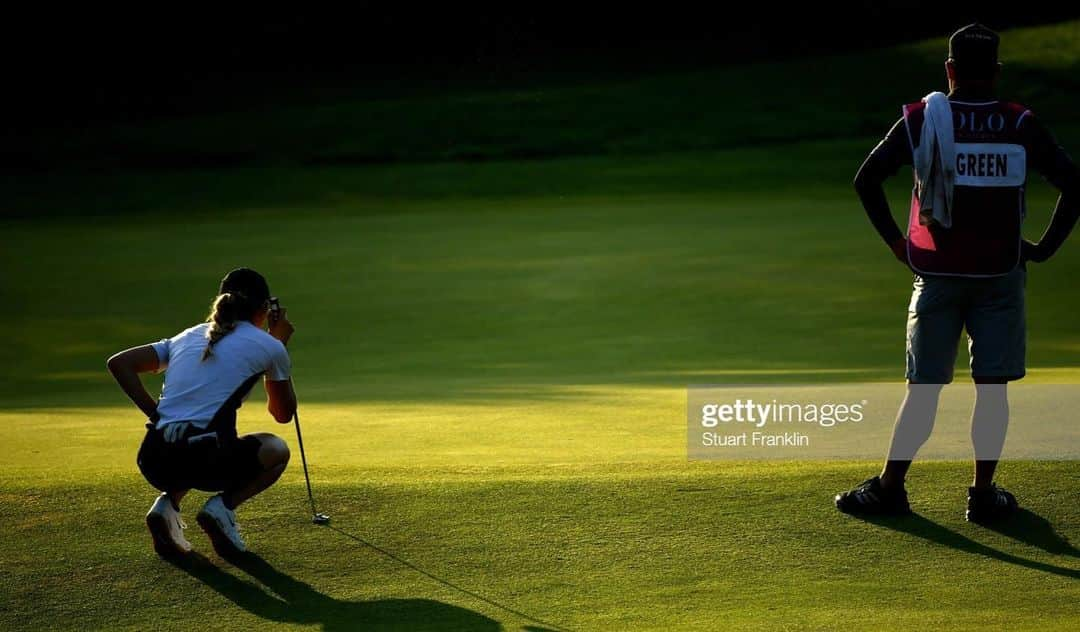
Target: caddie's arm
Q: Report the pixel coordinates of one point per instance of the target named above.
(883, 162)
(1050, 160)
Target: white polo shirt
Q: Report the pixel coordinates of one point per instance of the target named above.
(195, 389)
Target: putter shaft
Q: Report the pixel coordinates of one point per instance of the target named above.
(303, 459)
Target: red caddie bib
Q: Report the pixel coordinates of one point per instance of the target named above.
(988, 199)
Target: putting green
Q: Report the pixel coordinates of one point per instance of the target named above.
(493, 396)
(575, 513)
(492, 360)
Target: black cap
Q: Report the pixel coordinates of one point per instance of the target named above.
(974, 50)
(247, 282)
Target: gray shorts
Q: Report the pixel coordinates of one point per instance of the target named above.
(992, 312)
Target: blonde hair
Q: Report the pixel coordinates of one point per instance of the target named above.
(228, 309)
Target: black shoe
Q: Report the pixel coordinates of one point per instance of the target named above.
(990, 504)
(870, 498)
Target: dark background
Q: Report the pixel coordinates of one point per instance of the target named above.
(72, 68)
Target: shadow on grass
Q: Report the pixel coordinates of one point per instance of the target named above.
(293, 601)
(1026, 527)
(1034, 530)
(544, 626)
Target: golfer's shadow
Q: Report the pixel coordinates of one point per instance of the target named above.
(1026, 527)
(297, 602)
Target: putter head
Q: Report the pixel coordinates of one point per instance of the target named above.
(320, 518)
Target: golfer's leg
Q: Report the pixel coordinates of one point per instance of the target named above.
(935, 322)
(273, 456)
(176, 497)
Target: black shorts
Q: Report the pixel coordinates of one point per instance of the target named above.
(211, 465)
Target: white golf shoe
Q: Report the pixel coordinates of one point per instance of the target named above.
(219, 522)
(166, 528)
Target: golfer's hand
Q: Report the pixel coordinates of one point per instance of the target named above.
(281, 328)
(899, 250)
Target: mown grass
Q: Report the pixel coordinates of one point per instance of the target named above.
(492, 361)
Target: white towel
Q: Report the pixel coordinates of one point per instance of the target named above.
(935, 162)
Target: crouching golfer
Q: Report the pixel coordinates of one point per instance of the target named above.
(191, 440)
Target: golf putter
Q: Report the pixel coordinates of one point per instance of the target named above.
(316, 517)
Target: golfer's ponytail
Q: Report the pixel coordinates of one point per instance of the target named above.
(243, 292)
(227, 310)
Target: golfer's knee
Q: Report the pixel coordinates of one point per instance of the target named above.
(273, 451)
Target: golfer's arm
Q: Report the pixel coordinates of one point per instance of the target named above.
(126, 367)
(280, 399)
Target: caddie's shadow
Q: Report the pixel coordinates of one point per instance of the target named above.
(297, 602)
(1025, 526)
(1034, 530)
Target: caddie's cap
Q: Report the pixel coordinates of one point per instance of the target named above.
(974, 49)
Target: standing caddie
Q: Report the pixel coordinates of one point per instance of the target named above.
(970, 153)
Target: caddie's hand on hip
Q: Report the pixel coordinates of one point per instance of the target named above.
(899, 250)
(1030, 251)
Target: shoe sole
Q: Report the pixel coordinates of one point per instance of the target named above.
(858, 510)
(159, 531)
(221, 542)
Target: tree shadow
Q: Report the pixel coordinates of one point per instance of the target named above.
(1042, 536)
(293, 601)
